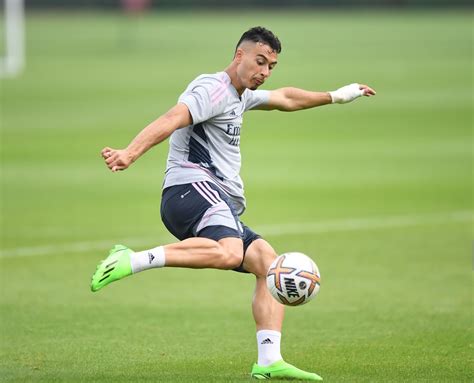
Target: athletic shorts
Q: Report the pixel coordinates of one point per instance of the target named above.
(200, 209)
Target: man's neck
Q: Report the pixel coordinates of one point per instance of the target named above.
(232, 73)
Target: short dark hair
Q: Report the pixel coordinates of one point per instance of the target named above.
(261, 35)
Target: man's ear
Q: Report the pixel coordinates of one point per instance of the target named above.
(238, 55)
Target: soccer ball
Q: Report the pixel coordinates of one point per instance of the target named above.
(293, 279)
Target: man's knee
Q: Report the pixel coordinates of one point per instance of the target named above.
(258, 257)
(234, 258)
(232, 253)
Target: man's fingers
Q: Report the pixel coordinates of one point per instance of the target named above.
(106, 152)
(109, 161)
(115, 159)
(115, 166)
(367, 91)
(116, 163)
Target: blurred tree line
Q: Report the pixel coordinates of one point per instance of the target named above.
(143, 4)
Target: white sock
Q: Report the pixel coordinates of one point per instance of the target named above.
(147, 259)
(268, 342)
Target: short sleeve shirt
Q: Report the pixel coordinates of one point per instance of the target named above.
(209, 149)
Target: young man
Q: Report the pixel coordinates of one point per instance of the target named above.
(203, 192)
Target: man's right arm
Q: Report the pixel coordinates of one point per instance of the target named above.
(292, 99)
(156, 132)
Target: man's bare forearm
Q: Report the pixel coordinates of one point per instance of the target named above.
(299, 99)
(157, 131)
(154, 133)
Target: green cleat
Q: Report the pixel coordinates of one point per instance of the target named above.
(282, 370)
(116, 266)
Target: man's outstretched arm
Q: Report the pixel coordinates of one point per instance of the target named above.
(156, 132)
(291, 99)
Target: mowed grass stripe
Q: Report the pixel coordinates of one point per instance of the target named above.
(299, 228)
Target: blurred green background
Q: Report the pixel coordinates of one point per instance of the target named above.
(378, 192)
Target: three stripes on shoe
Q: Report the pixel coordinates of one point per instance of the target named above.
(108, 270)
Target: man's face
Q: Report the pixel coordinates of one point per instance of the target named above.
(256, 61)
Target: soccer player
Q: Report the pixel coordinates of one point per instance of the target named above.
(203, 194)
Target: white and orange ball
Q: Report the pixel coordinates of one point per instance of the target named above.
(293, 279)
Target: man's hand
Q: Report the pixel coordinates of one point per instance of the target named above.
(349, 93)
(117, 159)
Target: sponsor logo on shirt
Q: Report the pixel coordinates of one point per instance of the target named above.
(233, 131)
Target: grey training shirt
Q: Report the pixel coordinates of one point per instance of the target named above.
(209, 149)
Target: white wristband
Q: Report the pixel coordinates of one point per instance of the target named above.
(346, 94)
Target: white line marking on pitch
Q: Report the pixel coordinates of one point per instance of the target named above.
(337, 225)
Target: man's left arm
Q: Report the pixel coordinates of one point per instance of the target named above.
(292, 99)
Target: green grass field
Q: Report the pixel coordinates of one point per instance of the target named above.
(378, 192)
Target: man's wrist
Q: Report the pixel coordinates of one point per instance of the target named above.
(131, 154)
(346, 94)
(331, 97)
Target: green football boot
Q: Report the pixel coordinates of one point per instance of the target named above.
(116, 266)
(282, 370)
